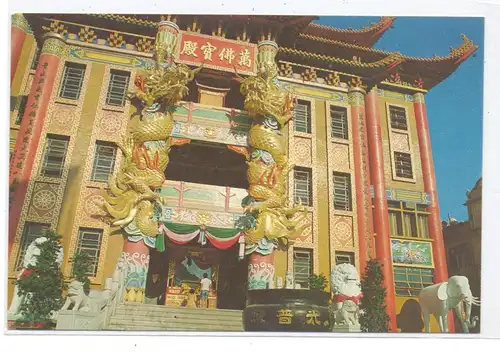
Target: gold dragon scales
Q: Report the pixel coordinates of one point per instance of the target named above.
(271, 108)
(132, 193)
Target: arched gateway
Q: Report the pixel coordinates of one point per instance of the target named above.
(171, 246)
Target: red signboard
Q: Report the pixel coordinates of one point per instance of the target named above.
(217, 53)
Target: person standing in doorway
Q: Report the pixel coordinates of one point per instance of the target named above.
(205, 284)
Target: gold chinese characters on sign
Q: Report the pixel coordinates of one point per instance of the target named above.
(220, 53)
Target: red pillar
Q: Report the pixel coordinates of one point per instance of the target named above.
(18, 31)
(31, 128)
(361, 179)
(135, 256)
(429, 176)
(381, 212)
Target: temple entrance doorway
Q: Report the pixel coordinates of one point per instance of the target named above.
(179, 269)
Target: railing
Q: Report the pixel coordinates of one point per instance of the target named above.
(102, 307)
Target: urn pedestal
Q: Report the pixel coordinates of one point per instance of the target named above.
(287, 310)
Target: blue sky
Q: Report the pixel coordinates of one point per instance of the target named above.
(454, 107)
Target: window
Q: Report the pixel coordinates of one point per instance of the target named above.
(55, 155)
(302, 266)
(402, 162)
(406, 220)
(410, 281)
(21, 108)
(117, 88)
(104, 161)
(341, 191)
(89, 241)
(302, 116)
(72, 81)
(398, 118)
(344, 258)
(338, 116)
(303, 186)
(32, 230)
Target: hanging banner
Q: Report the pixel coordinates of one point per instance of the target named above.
(217, 53)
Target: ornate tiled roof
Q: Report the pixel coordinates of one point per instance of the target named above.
(366, 36)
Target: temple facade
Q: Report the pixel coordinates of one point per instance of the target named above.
(352, 169)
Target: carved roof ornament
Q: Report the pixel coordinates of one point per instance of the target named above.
(56, 27)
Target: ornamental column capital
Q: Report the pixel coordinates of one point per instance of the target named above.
(54, 44)
(167, 36)
(419, 98)
(356, 96)
(19, 21)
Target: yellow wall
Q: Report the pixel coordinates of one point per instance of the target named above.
(79, 157)
(382, 105)
(409, 317)
(322, 185)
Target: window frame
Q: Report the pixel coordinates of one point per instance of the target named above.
(43, 166)
(345, 118)
(101, 144)
(395, 124)
(413, 287)
(351, 255)
(400, 210)
(98, 249)
(308, 172)
(309, 266)
(109, 99)
(26, 239)
(348, 188)
(77, 89)
(401, 175)
(308, 116)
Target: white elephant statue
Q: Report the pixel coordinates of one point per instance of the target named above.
(346, 290)
(439, 299)
(30, 259)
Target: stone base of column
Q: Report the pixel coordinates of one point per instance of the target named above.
(260, 271)
(135, 256)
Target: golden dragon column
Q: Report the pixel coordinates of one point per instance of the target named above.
(133, 202)
(270, 220)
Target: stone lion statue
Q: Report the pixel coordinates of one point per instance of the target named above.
(346, 291)
(30, 259)
(77, 297)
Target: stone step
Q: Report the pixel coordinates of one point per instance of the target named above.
(154, 326)
(176, 316)
(140, 308)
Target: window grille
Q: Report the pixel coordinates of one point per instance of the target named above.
(403, 165)
(342, 191)
(72, 81)
(303, 186)
(104, 161)
(302, 266)
(56, 148)
(302, 116)
(410, 281)
(117, 88)
(89, 241)
(398, 118)
(31, 231)
(344, 258)
(338, 117)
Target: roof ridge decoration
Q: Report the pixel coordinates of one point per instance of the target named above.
(384, 23)
(465, 48)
